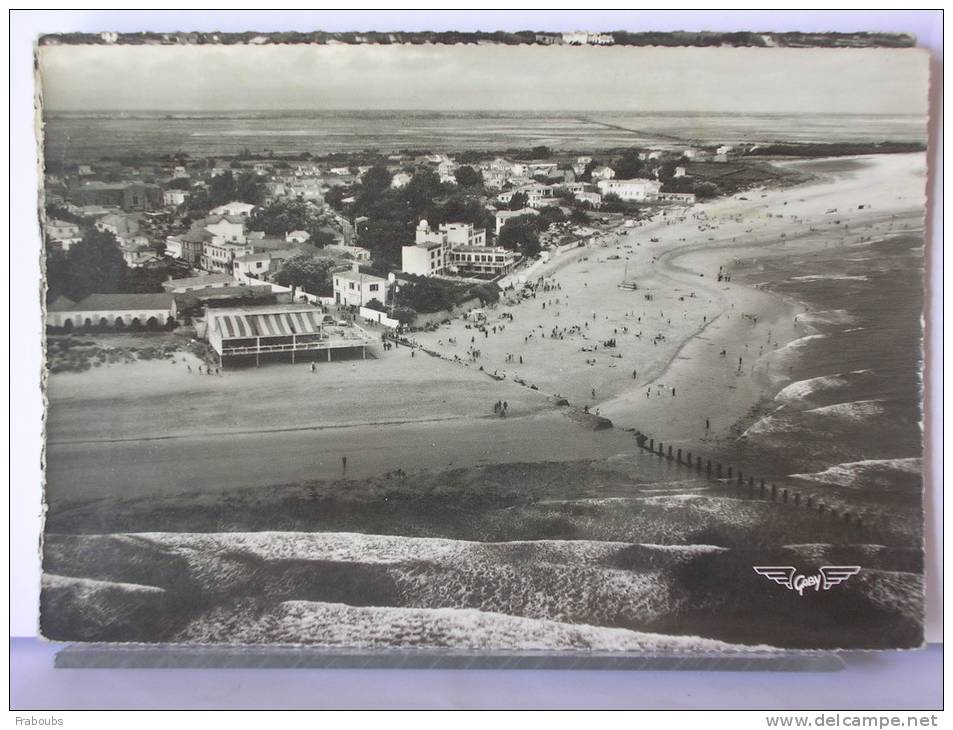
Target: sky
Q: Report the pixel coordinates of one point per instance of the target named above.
(486, 77)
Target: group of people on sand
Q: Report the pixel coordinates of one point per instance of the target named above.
(500, 408)
(208, 370)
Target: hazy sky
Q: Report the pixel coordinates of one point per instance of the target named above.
(90, 78)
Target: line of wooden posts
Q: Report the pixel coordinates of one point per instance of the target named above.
(715, 470)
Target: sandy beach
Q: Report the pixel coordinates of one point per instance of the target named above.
(666, 376)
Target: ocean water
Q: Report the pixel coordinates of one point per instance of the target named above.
(79, 137)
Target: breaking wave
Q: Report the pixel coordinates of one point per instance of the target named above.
(877, 473)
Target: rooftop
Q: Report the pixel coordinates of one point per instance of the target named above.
(358, 276)
(110, 302)
(482, 249)
(197, 281)
(266, 321)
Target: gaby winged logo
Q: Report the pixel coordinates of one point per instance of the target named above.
(826, 577)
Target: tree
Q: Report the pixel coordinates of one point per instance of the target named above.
(463, 208)
(376, 305)
(704, 190)
(424, 187)
(94, 265)
(547, 216)
(376, 180)
(518, 201)
(404, 315)
(281, 217)
(467, 177)
(425, 295)
(180, 183)
(521, 234)
(540, 152)
(307, 273)
(579, 216)
(225, 188)
(629, 166)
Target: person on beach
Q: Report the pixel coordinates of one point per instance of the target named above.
(312, 367)
(343, 464)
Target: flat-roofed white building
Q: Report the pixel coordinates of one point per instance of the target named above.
(483, 259)
(636, 189)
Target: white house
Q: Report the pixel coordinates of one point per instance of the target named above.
(252, 266)
(592, 199)
(63, 233)
(235, 208)
(226, 229)
(602, 173)
(636, 189)
(122, 226)
(220, 256)
(174, 198)
(297, 236)
(356, 289)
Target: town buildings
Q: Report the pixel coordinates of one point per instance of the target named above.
(430, 254)
(128, 196)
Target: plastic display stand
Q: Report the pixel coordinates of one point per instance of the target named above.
(172, 656)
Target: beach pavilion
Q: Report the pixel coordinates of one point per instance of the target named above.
(281, 333)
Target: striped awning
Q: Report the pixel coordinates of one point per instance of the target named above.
(268, 325)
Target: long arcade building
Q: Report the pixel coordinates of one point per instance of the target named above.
(280, 333)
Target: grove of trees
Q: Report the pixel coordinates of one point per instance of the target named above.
(94, 265)
(307, 273)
